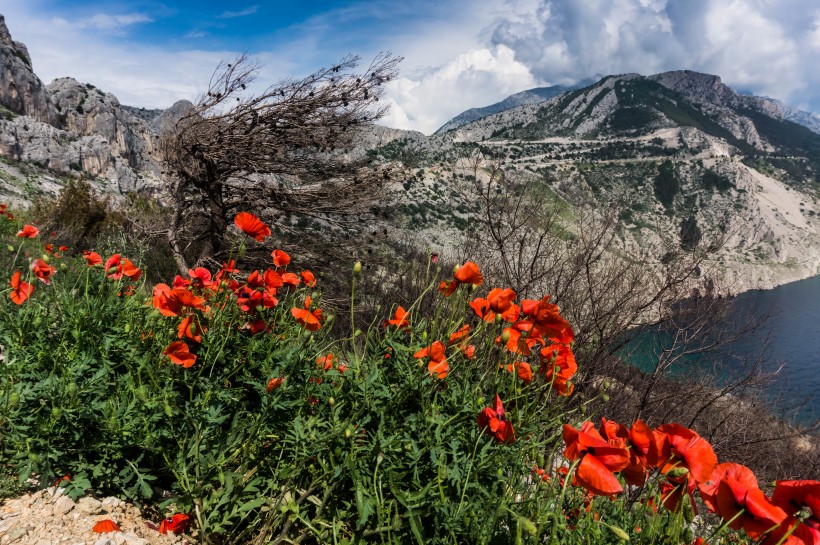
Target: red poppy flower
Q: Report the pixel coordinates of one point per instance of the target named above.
(176, 524)
(290, 279)
(273, 280)
(200, 277)
(130, 270)
(256, 280)
(180, 354)
(559, 366)
(252, 226)
(173, 302)
(49, 248)
(43, 271)
(469, 274)
(681, 447)
(493, 422)
(28, 231)
(522, 369)
(310, 320)
(63, 248)
(437, 365)
(732, 493)
(325, 362)
(547, 321)
(92, 258)
(280, 258)
(275, 383)
(447, 288)
(308, 278)
(20, 291)
(399, 319)
(105, 526)
(619, 435)
(190, 328)
(600, 459)
(793, 496)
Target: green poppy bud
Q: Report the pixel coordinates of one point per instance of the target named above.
(127, 327)
(619, 533)
(688, 510)
(357, 268)
(498, 318)
(357, 332)
(408, 447)
(348, 432)
(480, 401)
(331, 401)
(56, 412)
(71, 388)
(688, 535)
(528, 526)
(46, 258)
(10, 248)
(505, 336)
(606, 384)
(678, 472)
(605, 398)
(63, 267)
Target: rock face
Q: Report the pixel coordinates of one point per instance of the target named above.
(76, 129)
(20, 90)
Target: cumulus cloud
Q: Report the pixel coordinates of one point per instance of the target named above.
(424, 101)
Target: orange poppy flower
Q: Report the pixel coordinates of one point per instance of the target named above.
(447, 288)
(547, 321)
(43, 271)
(280, 258)
(256, 280)
(275, 383)
(469, 274)
(681, 447)
(92, 258)
(20, 291)
(522, 369)
(619, 435)
(308, 278)
(325, 362)
(310, 320)
(559, 366)
(28, 231)
(252, 226)
(399, 319)
(190, 328)
(494, 422)
(105, 526)
(200, 277)
(176, 524)
(792, 496)
(63, 248)
(732, 492)
(273, 280)
(180, 354)
(437, 365)
(600, 459)
(290, 279)
(173, 302)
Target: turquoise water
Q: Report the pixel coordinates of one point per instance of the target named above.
(793, 335)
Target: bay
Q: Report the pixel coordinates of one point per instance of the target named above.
(791, 337)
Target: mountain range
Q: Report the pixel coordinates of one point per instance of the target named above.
(674, 153)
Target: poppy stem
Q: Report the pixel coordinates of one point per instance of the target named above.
(469, 470)
(725, 524)
(567, 479)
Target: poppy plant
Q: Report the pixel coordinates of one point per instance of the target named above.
(274, 383)
(252, 226)
(175, 524)
(559, 366)
(437, 365)
(308, 278)
(309, 319)
(599, 459)
(190, 328)
(28, 231)
(522, 369)
(732, 492)
(105, 526)
(92, 258)
(399, 319)
(280, 258)
(20, 290)
(43, 271)
(173, 302)
(494, 422)
(180, 354)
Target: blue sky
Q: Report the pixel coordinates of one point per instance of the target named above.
(458, 53)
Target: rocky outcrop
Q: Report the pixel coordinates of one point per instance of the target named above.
(21, 91)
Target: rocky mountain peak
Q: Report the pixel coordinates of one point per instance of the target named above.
(21, 91)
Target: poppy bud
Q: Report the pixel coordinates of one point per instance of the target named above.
(498, 318)
(242, 250)
(46, 258)
(330, 318)
(505, 336)
(688, 535)
(619, 533)
(456, 268)
(260, 308)
(479, 401)
(606, 384)
(678, 472)
(379, 458)
(357, 268)
(582, 409)
(688, 510)
(331, 401)
(604, 397)
(128, 328)
(408, 447)
(357, 332)
(348, 432)
(10, 248)
(528, 526)
(71, 388)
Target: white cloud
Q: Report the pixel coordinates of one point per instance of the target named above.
(241, 13)
(426, 100)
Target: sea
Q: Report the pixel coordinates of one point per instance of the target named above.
(787, 344)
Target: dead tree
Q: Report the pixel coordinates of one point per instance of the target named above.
(281, 153)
